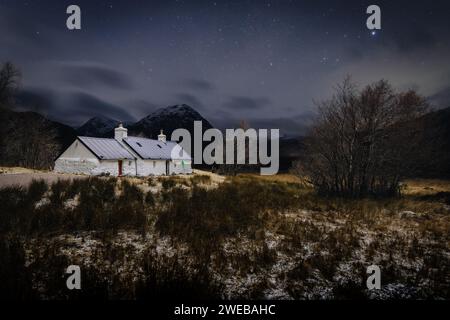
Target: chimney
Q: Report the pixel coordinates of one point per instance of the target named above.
(162, 136)
(120, 132)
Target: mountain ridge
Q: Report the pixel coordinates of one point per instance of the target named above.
(166, 118)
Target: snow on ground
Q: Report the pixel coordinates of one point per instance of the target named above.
(274, 264)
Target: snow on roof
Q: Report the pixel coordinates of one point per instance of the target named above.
(106, 149)
(155, 149)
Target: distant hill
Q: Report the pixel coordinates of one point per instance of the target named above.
(98, 127)
(436, 134)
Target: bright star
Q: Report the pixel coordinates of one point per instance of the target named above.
(373, 33)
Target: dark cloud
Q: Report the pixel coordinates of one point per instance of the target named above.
(246, 103)
(296, 125)
(72, 108)
(441, 99)
(198, 84)
(85, 76)
(289, 126)
(233, 60)
(35, 99)
(84, 104)
(189, 99)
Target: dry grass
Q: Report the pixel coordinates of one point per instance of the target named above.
(15, 170)
(282, 177)
(425, 186)
(247, 237)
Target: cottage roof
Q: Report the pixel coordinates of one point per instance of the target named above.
(106, 149)
(111, 149)
(156, 149)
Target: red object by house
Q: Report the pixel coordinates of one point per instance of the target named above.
(120, 167)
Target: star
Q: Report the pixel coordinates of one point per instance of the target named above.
(373, 33)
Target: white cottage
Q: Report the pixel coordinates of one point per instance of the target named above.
(124, 156)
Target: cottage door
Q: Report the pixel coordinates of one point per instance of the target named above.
(167, 167)
(120, 167)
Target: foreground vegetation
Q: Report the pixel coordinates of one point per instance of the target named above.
(248, 237)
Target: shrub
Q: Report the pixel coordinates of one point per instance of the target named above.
(14, 208)
(128, 210)
(36, 190)
(167, 278)
(15, 279)
(168, 183)
(201, 179)
(199, 216)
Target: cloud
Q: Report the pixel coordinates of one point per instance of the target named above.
(246, 103)
(88, 105)
(198, 84)
(86, 76)
(71, 108)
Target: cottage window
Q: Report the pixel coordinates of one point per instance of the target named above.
(154, 164)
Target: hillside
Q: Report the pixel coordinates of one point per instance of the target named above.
(31, 140)
(436, 149)
(97, 127)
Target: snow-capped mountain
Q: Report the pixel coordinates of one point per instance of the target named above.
(168, 119)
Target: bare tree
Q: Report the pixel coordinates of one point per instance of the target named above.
(9, 82)
(36, 147)
(31, 142)
(364, 142)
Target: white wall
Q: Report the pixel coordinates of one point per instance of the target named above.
(177, 167)
(80, 160)
(111, 167)
(81, 166)
(77, 151)
(90, 167)
(128, 167)
(158, 167)
(151, 167)
(76, 159)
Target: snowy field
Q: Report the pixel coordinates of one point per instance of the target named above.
(240, 237)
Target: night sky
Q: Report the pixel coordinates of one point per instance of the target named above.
(262, 61)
